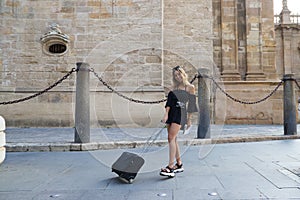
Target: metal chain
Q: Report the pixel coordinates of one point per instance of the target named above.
(129, 98)
(140, 101)
(194, 78)
(41, 92)
(246, 102)
(122, 95)
(297, 84)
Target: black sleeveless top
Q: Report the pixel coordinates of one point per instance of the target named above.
(180, 102)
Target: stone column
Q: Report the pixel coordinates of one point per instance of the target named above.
(229, 41)
(82, 107)
(254, 40)
(268, 41)
(290, 121)
(203, 104)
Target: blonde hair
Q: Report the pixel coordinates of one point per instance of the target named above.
(184, 76)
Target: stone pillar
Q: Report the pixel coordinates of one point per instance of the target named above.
(82, 107)
(203, 104)
(2, 140)
(290, 122)
(254, 40)
(287, 49)
(229, 41)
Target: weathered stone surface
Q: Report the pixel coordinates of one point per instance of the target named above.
(133, 45)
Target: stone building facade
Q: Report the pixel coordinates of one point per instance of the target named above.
(133, 46)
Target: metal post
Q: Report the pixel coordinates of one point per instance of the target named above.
(290, 122)
(203, 103)
(82, 106)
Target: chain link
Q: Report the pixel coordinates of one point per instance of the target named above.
(41, 92)
(245, 102)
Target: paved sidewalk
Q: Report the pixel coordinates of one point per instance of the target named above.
(62, 139)
(235, 171)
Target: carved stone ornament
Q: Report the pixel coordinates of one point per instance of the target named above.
(54, 42)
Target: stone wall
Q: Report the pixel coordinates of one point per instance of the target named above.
(244, 43)
(131, 44)
(245, 53)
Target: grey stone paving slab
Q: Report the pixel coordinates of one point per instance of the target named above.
(259, 170)
(282, 194)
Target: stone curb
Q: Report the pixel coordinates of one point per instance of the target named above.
(60, 147)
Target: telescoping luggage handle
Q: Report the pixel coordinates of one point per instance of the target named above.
(150, 141)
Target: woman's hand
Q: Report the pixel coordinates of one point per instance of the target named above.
(165, 118)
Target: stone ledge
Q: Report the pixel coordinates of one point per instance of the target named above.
(42, 147)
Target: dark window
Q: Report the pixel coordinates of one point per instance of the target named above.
(57, 48)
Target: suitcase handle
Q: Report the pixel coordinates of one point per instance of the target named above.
(151, 141)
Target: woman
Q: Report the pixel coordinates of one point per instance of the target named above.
(180, 104)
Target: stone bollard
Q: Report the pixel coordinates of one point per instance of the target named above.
(2, 139)
(203, 103)
(82, 107)
(289, 106)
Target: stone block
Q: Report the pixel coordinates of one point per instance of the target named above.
(35, 147)
(75, 147)
(2, 154)
(17, 147)
(89, 146)
(60, 147)
(2, 139)
(106, 145)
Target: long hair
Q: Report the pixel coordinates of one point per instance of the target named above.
(184, 76)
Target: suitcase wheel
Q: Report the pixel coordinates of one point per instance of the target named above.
(126, 180)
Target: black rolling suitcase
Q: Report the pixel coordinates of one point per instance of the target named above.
(127, 166)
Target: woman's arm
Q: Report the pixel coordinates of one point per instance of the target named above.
(165, 118)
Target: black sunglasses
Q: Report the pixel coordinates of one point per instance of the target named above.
(176, 68)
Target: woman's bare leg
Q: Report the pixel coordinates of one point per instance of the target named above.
(173, 145)
(177, 155)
